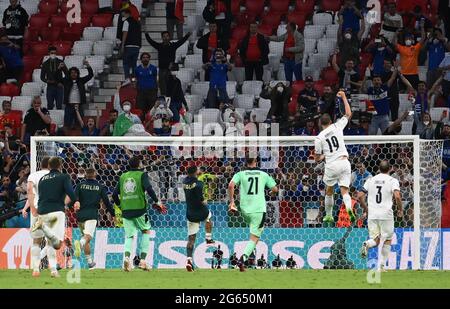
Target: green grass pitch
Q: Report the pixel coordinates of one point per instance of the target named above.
(207, 278)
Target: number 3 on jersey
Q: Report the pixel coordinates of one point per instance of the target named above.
(334, 143)
(379, 197)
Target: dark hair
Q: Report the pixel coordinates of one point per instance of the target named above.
(173, 66)
(5, 101)
(293, 26)
(164, 32)
(325, 119)
(421, 82)
(113, 111)
(7, 125)
(51, 48)
(90, 172)
(250, 160)
(145, 54)
(74, 69)
(191, 170)
(54, 163)
(384, 166)
(44, 162)
(134, 162)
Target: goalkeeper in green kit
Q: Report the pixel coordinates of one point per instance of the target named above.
(130, 195)
(252, 183)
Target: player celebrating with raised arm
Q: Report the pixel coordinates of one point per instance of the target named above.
(133, 202)
(329, 145)
(32, 202)
(197, 211)
(380, 222)
(89, 193)
(252, 183)
(53, 188)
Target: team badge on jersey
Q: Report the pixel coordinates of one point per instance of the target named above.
(130, 185)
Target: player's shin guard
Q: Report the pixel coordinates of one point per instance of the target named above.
(249, 249)
(145, 244)
(82, 242)
(51, 255)
(385, 250)
(347, 201)
(128, 245)
(35, 257)
(371, 243)
(329, 202)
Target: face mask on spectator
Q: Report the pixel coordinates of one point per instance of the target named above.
(348, 36)
(280, 89)
(52, 56)
(126, 108)
(381, 48)
(435, 41)
(408, 42)
(232, 119)
(426, 123)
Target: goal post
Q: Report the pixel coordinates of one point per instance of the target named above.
(294, 226)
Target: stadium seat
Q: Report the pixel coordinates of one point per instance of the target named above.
(406, 128)
(213, 129)
(208, 115)
(48, 7)
(332, 31)
(264, 104)
(97, 63)
(330, 76)
(82, 48)
(200, 88)
(265, 29)
(331, 5)
(9, 90)
(4, 98)
(21, 103)
(281, 29)
(40, 48)
(182, 51)
(193, 61)
(299, 18)
(50, 34)
(31, 34)
(58, 21)
(310, 46)
(72, 33)
(239, 32)
(93, 34)
(57, 117)
(63, 48)
(322, 19)
(103, 48)
(36, 77)
(305, 6)
(281, 6)
(74, 61)
(31, 89)
(39, 21)
(31, 62)
(30, 6)
(297, 86)
(252, 87)
(110, 34)
(89, 7)
(436, 112)
(84, 72)
(318, 61)
(186, 75)
(326, 45)
(258, 114)
(235, 6)
(272, 19)
(254, 7)
(194, 102)
(292, 106)
(244, 101)
(116, 19)
(319, 85)
(102, 20)
(231, 89)
(314, 31)
(276, 48)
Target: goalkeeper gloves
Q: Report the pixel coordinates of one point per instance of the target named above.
(160, 208)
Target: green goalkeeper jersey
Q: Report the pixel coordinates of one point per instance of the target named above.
(252, 184)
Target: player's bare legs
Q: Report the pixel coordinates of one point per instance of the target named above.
(348, 203)
(85, 245)
(144, 246)
(367, 245)
(384, 254)
(251, 245)
(35, 256)
(329, 203)
(189, 251)
(208, 232)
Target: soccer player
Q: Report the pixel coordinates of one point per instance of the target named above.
(130, 196)
(380, 190)
(329, 145)
(53, 188)
(32, 202)
(89, 193)
(197, 211)
(252, 183)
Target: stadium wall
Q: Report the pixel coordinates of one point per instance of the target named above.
(310, 247)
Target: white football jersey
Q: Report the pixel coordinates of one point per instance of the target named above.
(380, 190)
(35, 178)
(330, 142)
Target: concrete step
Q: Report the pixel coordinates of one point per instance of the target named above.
(155, 27)
(107, 91)
(115, 77)
(92, 106)
(152, 61)
(155, 21)
(102, 99)
(111, 84)
(154, 35)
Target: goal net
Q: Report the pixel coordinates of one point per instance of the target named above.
(293, 227)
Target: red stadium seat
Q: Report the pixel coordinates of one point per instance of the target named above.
(244, 19)
(89, 7)
(48, 7)
(39, 21)
(374, 30)
(239, 33)
(272, 19)
(319, 85)
(366, 59)
(281, 6)
(298, 18)
(254, 7)
(233, 48)
(102, 20)
(117, 5)
(59, 21)
(85, 21)
(306, 7)
(235, 7)
(292, 106)
(409, 5)
(27, 76)
(9, 90)
(332, 5)
(63, 48)
(72, 33)
(266, 29)
(40, 48)
(50, 34)
(31, 62)
(31, 34)
(237, 60)
(330, 76)
(297, 86)
(63, 7)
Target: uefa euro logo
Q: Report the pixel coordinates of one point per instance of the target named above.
(74, 14)
(374, 13)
